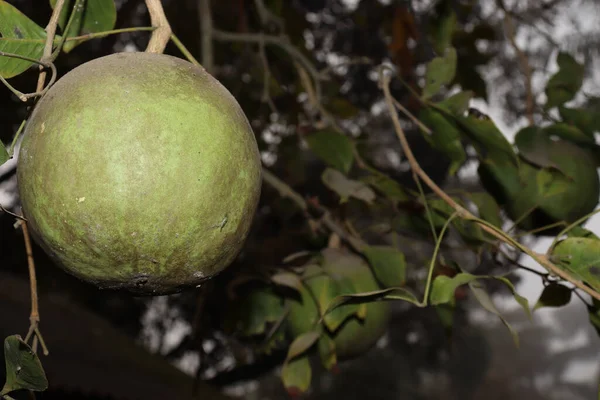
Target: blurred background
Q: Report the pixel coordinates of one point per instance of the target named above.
(110, 345)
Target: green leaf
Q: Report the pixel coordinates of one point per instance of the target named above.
(594, 315)
(487, 139)
(579, 257)
(568, 132)
(554, 295)
(288, 279)
(347, 188)
(565, 83)
(458, 103)
(534, 145)
(445, 137)
(19, 35)
(388, 263)
(335, 149)
(302, 343)
(4, 156)
(296, 375)
(387, 186)
(326, 346)
(324, 289)
(488, 208)
(579, 231)
(486, 302)
(443, 287)
(443, 29)
(90, 16)
(519, 299)
(375, 295)
(24, 370)
(581, 118)
(440, 71)
(258, 309)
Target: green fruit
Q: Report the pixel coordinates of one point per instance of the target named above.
(139, 171)
(355, 336)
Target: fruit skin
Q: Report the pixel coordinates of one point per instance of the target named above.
(139, 171)
(355, 336)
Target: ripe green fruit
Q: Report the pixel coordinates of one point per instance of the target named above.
(355, 336)
(139, 171)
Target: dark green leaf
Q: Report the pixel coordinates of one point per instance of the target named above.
(327, 353)
(443, 287)
(23, 368)
(519, 299)
(488, 208)
(443, 29)
(486, 302)
(579, 231)
(594, 315)
(302, 343)
(324, 289)
(347, 188)
(89, 16)
(565, 83)
(568, 132)
(288, 279)
(581, 118)
(387, 186)
(388, 263)
(444, 137)
(579, 257)
(487, 139)
(554, 295)
(259, 308)
(19, 35)
(458, 103)
(296, 375)
(440, 71)
(375, 295)
(4, 156)
(534, 145)
(335, 149)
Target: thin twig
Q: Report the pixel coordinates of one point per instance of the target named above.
(542, 259)
(185, 51)
(525, 67)
(266, 16)
(161, 35)
(34, 317)
(12, 214)
(41, 91)
(286, 191)
(50, 32)
(280, 41)
(266, 95)
(206, 29)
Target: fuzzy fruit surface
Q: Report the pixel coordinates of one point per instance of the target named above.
(139, 171)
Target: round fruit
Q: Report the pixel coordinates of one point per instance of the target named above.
(355, 336)
(139, 171)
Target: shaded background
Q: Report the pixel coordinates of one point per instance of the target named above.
(102, 342)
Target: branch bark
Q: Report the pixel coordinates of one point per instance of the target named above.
(162, 34)
(206, 27)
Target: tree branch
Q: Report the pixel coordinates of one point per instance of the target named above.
(206, 27)
(542, 259)
(161, 35)
(280, 41)
(50, 33)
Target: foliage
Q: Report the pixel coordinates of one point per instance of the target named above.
(345, 205)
